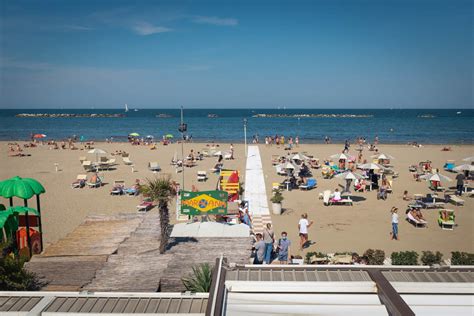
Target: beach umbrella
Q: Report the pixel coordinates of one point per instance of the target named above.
(382, 156)
(218, 153)
(435, 177)
(97, 152)
(169, 136)
(464, 167)
(134, 134)
(39, 136)
(289, 165)
(469, 159)
(340, 157)
(349, 175)
(371, 166)
(24, 188)
(150, 136)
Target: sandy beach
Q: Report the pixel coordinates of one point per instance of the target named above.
(364, 225)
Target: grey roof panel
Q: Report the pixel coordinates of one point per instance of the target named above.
(294, 274)
(429, 276)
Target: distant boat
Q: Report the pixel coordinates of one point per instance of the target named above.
(211, 115)
(135, 110)
(126, 107)
(162, 115)
(459, 112)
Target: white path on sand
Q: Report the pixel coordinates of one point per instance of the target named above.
(255, 192)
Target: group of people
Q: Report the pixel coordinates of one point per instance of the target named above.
(280, 140)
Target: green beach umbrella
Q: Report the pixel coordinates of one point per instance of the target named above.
(22, 210)
(169, 136)
(24, 188)
(134, 134)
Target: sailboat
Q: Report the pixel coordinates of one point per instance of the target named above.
(126, 107)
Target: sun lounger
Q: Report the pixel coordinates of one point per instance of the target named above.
(153, 166)
(311, 183)
(346, 201)
(201, 175)
(281, 171)
(449, 166)
(80, 181)
(145, 206)
(415, 222)
(118, 188)
(326, 197)
(446, 222)
(103, 159)
(127, 161)
(87, 165)
(456, 200)
(227, 156)
(82, 158)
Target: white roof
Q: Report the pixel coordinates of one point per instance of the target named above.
(210, 229)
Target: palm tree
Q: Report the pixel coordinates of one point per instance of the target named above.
(162, 191)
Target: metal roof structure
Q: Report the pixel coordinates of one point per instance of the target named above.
(73, 303)
(275, 290)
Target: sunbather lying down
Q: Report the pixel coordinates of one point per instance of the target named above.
(416, 214)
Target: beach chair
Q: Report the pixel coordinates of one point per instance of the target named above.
(456, 200)
(94, 182)
(201, 175)
(127, 161)
(227, 156)
(280, 171)
(430, 202)
(310, 184)
(111, 161)
(314, 163)
(389, 188)
(82, 159)
(87, 165)
(118, 188)
(415, 222)
(80, 181)
(145, 206)
(153, 166)
(436, 186)
(327, 172)
(449, 166)
(446, 219)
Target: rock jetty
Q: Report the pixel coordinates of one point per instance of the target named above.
(164, 115)
(314, 115)
(56, 115)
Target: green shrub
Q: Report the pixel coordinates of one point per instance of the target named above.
(374, 257)
(277, 197)
(200, 279)
(405, 258)
(462, 258)
(428, 258)
(13, 277)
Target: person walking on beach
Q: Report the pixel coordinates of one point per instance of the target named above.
(268, 239)
(303, 226)
(394, 232)
(283, 248)
(297, 141)
(460, 183)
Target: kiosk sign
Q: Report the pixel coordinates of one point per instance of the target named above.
(204, 202)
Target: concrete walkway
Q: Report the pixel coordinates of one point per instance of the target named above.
(255, 192)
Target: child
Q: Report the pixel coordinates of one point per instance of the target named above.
(283, 248)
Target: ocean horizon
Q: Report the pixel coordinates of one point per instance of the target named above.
(425, 126)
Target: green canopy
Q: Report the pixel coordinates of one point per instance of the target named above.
(24, 188)
(23, 210)
(2, 207)
(169, 136)
(134, 134)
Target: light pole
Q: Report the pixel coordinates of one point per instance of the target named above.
(245, 136)
(182, 129)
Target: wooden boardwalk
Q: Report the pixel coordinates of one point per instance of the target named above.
(121, 254)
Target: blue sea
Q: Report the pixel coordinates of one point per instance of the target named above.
(392, 126)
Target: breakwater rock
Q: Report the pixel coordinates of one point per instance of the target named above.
(314, 115)
(56, 115)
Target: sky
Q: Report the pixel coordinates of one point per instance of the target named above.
(230, 54)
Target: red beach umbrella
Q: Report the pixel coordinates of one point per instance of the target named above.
(39, 136)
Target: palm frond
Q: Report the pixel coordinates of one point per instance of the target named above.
(200, 279)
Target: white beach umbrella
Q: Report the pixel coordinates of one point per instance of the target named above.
(218, 153)
(435, 177)
(349, 175)
(298, 157)
(340, 156)
(371, 166)
(464, 167)
(289, 165)
(469, 159)
(383, 156)
(97, 152)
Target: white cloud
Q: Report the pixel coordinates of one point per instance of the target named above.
(216, 21)
(145, 28)
(77, 28)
